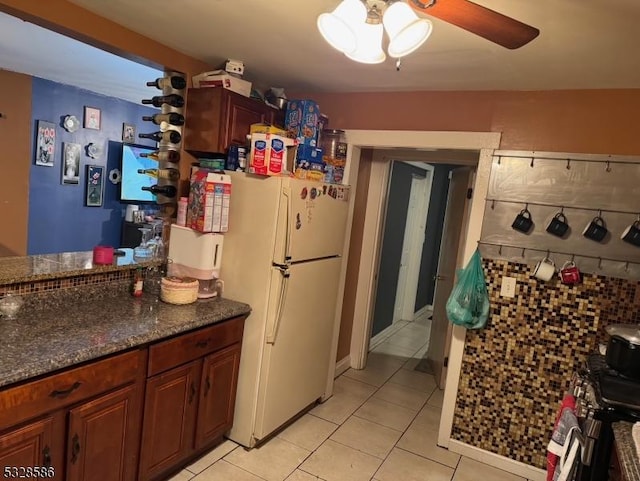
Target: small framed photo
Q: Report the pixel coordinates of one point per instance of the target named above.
(95, 185)
(128, 133)
(92, 118)
(45, 143)
(71, 163)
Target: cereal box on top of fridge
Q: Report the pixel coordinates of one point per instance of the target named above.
(301, 121)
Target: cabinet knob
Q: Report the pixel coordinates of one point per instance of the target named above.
(75, 448)
(46, 457)
(192, 392)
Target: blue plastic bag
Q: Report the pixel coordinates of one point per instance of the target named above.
(468, 304)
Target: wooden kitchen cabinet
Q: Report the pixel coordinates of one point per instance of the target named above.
(190, 396)
(217, 395)
(169, 419)
(104, 432)
(217, 118)
(38, 443)
(89, 415)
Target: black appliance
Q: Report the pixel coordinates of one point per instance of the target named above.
(603, 396)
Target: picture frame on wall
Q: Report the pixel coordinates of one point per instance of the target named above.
(95, 185)
(71, 163)
(128, 133)
(45, 143)
(92, 118)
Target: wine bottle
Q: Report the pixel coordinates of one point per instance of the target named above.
(166, 190)
(172, 118)
(174, 100)
(174, 82)
(172, 136)
(170, 174)
(163, 156)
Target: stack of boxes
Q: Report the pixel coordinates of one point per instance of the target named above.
(303, 122)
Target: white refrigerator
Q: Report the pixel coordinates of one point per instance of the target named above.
(283, 256)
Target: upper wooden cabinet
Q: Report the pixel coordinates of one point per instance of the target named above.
(217, 118)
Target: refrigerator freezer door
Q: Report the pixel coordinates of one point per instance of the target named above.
(296, 356)
(311, 220)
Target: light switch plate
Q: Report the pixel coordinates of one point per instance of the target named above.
(508, 286)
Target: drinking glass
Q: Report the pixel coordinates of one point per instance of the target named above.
(143, 252)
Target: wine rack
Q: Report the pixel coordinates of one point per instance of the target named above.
(166, 128)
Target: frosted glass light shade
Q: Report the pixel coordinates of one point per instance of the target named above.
(338, 27)
(406, 31)
(369, 45)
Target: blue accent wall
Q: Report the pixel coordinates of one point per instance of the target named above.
(59, 220)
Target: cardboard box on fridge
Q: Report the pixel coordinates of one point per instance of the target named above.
(301, 121)
(209, 200)
(220, 78)
(271, 154)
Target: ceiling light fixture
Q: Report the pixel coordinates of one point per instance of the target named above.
(355, 28)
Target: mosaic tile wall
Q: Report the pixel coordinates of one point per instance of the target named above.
(516, 369)
(49, 285)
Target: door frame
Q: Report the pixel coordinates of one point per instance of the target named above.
(485, 143)
(406, 290)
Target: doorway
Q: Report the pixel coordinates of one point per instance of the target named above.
(408, 196)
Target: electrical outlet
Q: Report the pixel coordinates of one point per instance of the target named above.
(508, 286)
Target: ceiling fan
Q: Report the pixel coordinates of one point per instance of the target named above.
(474, 18)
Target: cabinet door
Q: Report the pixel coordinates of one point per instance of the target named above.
(241, 113)
(217, 398)
(103, 438)
(169, 419)
(39, 443)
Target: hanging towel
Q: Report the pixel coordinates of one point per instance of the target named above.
(556, 445)
(571, 451)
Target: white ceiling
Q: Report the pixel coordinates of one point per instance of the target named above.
(582, 45)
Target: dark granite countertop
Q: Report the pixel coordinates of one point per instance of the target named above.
(66, 264)
(40, 341)
(626, 449)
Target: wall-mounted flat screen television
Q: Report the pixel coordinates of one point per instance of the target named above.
(132, 182)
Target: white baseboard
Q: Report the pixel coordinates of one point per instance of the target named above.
(500, 462)
(342, 365)
(385, 333)
(425, 310)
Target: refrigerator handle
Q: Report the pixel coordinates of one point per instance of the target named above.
(286, 192)
(282, 298)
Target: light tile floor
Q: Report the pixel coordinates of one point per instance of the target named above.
(381, 424)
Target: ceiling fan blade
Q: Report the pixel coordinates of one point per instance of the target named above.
(474, 18)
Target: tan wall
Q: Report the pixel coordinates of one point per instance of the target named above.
(584, 121)
(353, 263)
(15, 161)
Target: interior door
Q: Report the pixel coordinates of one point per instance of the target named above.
(296, 358)
(455, 218)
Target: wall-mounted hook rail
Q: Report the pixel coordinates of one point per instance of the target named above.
(561, 253)
(558, 206)
(532, 157)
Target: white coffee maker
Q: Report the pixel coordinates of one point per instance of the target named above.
(197, 255)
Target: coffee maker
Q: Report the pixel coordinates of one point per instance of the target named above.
(197, 255)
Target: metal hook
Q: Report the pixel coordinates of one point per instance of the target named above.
(523, 249)
(573, 257)
(626, 267)
(493, 204)
(599, 213)
(599, 262)
(500, 250)
(608, 167)
(531, 164)
(562, 209)
(568, 164)
(499, 159)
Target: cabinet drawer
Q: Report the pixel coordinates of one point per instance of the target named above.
(50, 393)
(190, 346)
